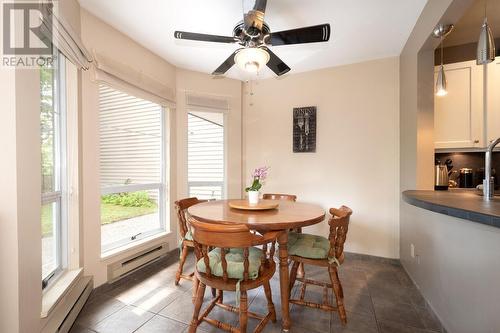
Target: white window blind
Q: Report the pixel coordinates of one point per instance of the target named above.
(130, 141)
(206, 155)
(202, 102)
(63, 37)
(127, 79)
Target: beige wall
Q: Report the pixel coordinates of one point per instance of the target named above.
(9, 283)
(20, 241)
(70, 11)
(356, 162)
(198, 83)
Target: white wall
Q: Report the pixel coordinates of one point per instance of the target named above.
(357, 158)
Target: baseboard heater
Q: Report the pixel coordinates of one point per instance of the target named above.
(127, 265)
(75, 310)
(64, 314)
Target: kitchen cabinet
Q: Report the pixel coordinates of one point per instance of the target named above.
(493, 97)
(458, 116)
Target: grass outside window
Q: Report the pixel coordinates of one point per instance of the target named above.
(112, 213)
(109, 213)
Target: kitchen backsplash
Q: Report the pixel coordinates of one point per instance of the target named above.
(474, 161)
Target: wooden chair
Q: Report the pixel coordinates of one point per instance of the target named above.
(186, 240)
(326, 253)
(286, 197)
(233, 265)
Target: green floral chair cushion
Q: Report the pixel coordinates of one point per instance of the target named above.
(234, 259)
(188, 236)
(308, 246)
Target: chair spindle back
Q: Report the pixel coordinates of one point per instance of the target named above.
(181, 206)
(225, 236)
(339, 225)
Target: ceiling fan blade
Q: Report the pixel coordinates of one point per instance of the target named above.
(276, 64)
(260, 5)
(203, 37)
(226, 65)
(255, 17)
(314, 34)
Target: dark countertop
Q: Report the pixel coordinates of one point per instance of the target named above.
(464, 204)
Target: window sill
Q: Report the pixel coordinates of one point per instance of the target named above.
(135, 246)
(56, 292)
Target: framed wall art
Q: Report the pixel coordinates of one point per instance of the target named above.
(304, 129)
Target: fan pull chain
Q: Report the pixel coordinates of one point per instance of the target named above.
(250, 92)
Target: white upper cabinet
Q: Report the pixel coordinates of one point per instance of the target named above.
(493, 97)
(458, 116)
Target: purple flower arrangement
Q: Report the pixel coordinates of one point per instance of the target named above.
(258, 176)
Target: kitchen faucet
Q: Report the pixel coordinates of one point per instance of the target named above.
(488, 183)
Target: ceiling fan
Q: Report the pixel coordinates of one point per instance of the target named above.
(255, 36)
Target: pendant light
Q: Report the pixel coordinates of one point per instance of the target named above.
(440, 32)
(441, 79)
(486, 43)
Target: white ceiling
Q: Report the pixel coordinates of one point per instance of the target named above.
(361, 29)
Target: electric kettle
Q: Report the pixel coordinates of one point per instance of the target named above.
(441, 177)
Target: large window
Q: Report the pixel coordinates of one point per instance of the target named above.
(206, 155)
(53, 161)
(132, 168)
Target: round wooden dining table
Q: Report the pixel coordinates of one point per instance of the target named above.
(288, 215)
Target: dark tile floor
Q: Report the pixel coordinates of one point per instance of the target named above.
(379, 297)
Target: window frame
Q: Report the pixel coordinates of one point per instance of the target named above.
(224, 113)
(59, 194)
(161, 186)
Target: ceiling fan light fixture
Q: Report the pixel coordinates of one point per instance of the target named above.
(251, 59)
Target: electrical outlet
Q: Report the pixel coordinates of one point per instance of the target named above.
(412, 250)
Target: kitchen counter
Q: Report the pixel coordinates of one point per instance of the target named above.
(461, 203)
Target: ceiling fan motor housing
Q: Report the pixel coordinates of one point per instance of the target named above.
(252, 37)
